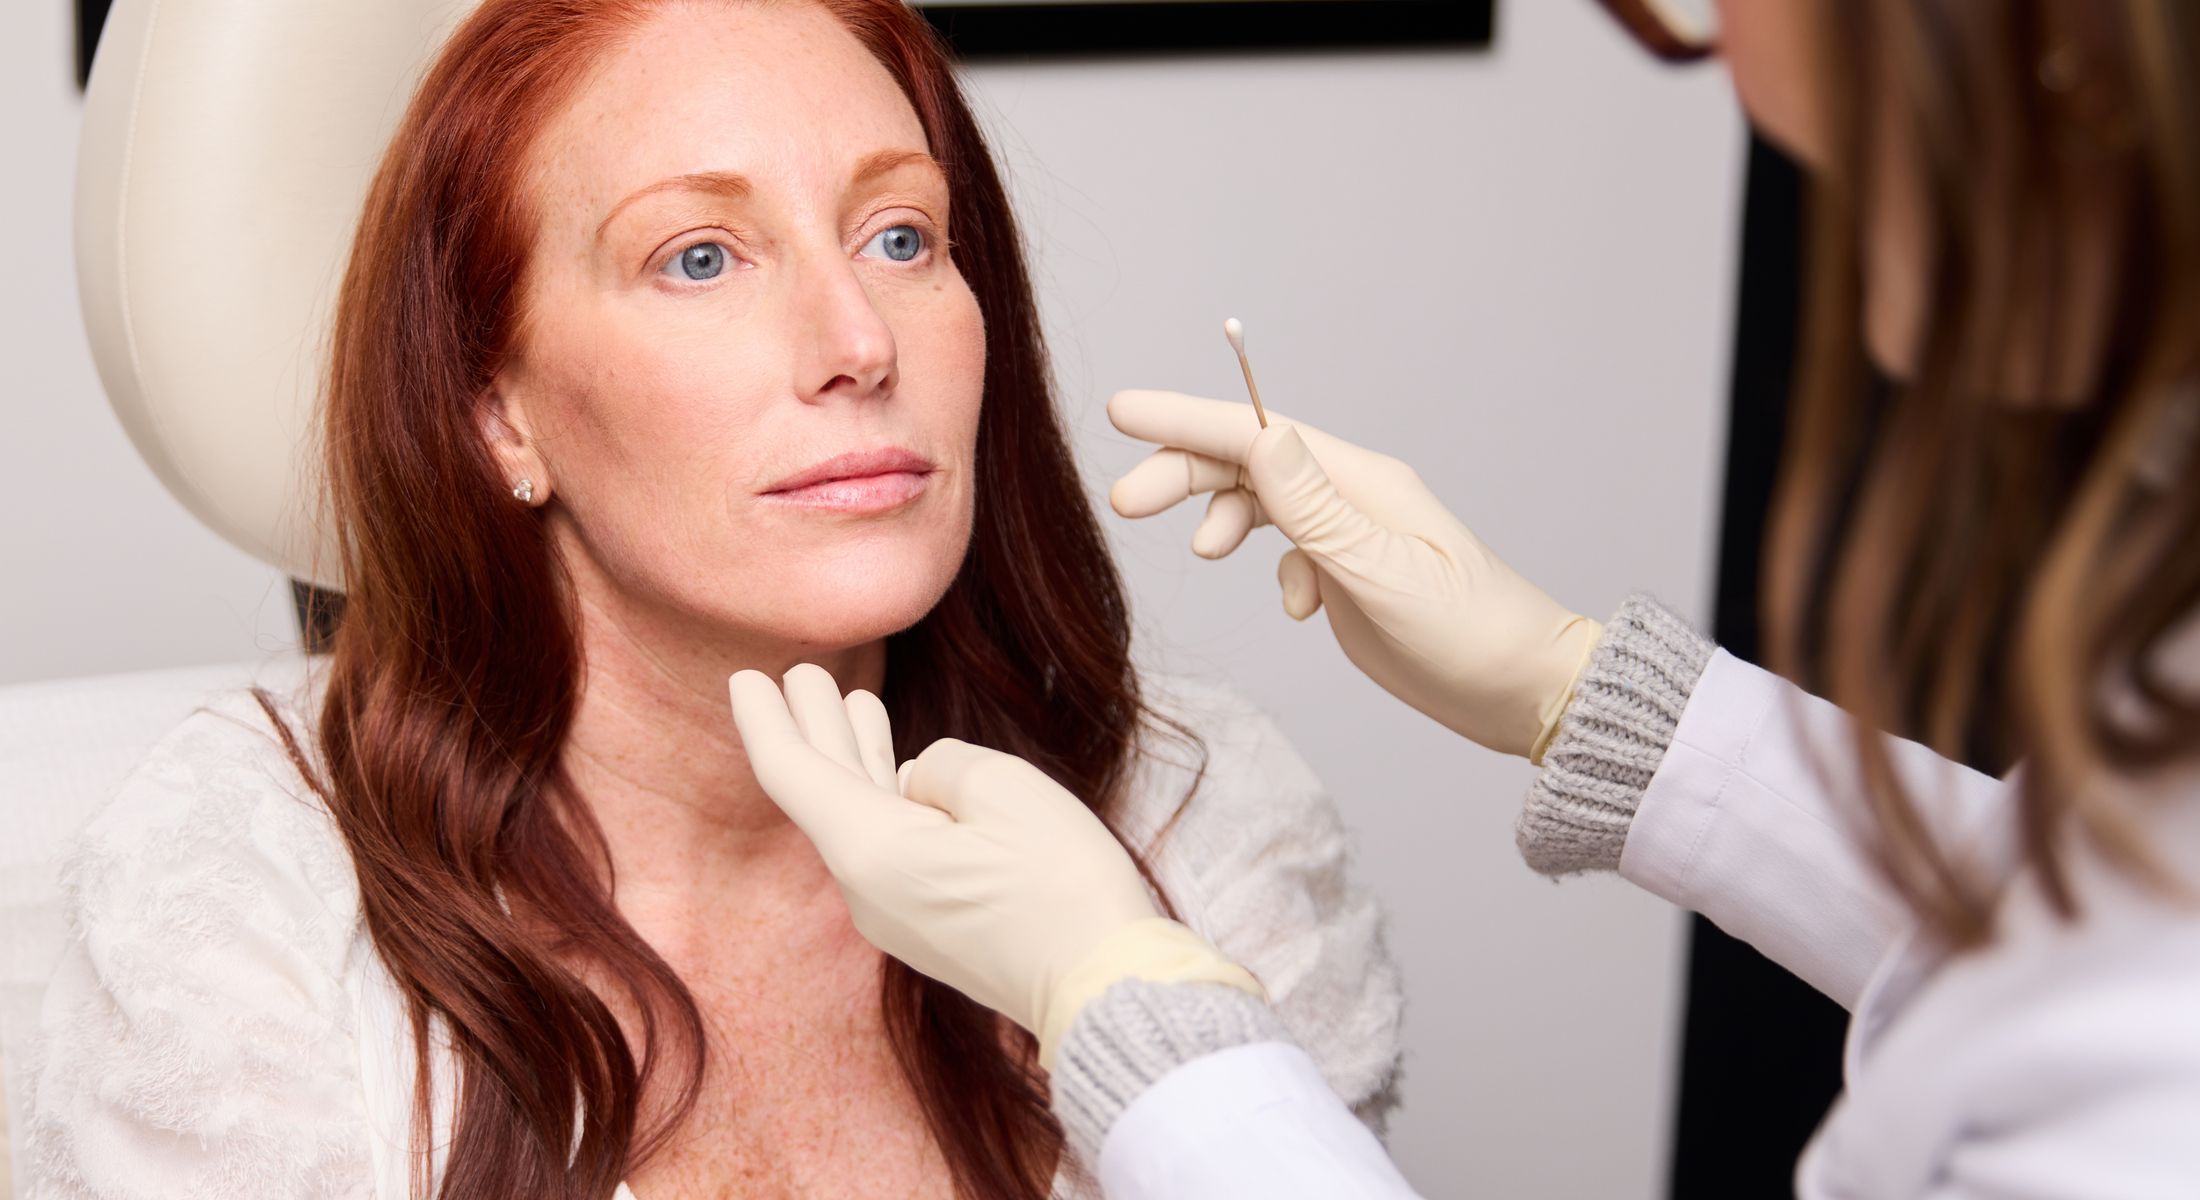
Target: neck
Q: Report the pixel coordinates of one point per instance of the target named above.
(654, 754)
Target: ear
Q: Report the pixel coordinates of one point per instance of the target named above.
(506, 430)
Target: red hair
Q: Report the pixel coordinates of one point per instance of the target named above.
(486, 884)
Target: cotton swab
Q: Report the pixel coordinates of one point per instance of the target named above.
(1234, 329)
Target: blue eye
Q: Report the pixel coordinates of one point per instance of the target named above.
(703, 260)
(899, 243)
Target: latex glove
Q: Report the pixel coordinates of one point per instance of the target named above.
(970, 865)
(1414, 598)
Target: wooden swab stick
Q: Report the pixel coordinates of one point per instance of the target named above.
(1234, 329)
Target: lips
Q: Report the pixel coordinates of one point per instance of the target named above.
(862, 481)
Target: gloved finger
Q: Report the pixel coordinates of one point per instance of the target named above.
(874, 737)
(760, 714)
(1216, 428)
(818, 794)
(821, 715)
(1230, 516)
(1299, 498)
(1168, 477)
(969, 782)
(1301, 583)
(1223, 430)
(939, 776)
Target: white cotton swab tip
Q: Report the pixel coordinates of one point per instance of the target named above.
(1234, 329)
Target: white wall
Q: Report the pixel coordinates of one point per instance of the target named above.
(99, 570)
(1512, 268)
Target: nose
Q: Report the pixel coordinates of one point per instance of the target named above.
(845, 347)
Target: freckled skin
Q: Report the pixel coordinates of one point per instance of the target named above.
(656, 409)
(804, 1098)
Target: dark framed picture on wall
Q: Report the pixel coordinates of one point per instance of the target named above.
(995, 29)
(981, 29)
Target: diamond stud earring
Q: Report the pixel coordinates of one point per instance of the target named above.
(525, 492)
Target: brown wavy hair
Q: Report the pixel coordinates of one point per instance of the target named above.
(486, 884)
(2001, 575)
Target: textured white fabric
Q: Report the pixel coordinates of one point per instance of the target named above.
(219, 1025)
(65, 746)
(196, 1039)
(1254, 1122)
(2061, 1062)
(1260, 863)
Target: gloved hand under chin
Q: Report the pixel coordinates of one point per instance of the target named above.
(1414, 597)
(970, 865)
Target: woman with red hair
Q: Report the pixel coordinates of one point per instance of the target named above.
(677, 340)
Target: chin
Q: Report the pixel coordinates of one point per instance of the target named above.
(860, 595)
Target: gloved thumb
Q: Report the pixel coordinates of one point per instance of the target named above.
(1299, 498)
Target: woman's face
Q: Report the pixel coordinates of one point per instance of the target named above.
(749, 373)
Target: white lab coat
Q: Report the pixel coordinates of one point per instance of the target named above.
(2061, 1062)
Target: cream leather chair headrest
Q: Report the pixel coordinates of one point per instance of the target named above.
(227, 149)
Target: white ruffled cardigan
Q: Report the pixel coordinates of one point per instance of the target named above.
(221, 1025)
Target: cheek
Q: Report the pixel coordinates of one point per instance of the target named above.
(942, 357)
(1768, 48)
(639, 422)
(849, 585)
(647, 427)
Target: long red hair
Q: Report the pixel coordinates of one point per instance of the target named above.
(486, 885)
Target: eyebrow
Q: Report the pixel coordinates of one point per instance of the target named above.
(881, 162)
(728, 185)
(732, 185)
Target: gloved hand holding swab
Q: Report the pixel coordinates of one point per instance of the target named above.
(1415, 599)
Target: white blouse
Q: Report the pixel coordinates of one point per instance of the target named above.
(221, 1025)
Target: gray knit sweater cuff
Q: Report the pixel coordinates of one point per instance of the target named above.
(1611, 739)
(1136, 1032)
